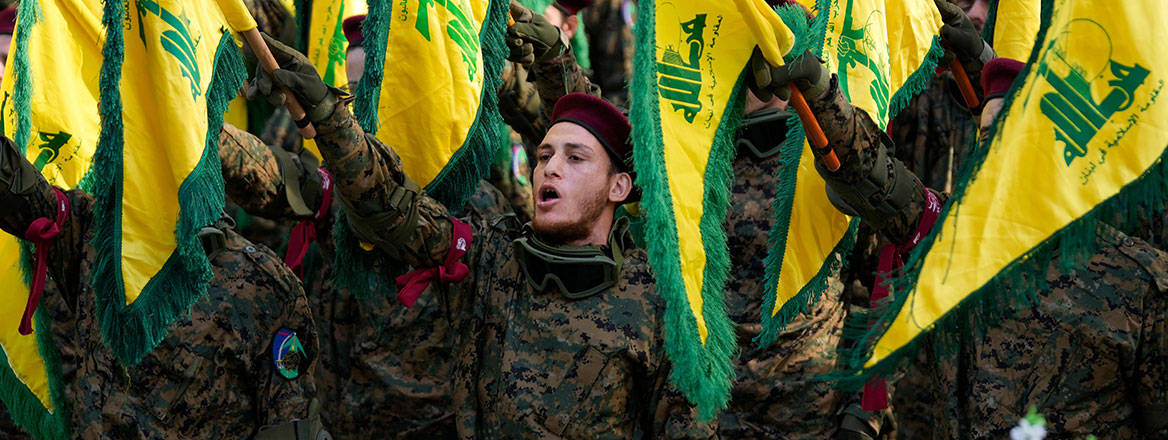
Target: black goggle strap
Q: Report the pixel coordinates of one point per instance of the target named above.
(764, 129)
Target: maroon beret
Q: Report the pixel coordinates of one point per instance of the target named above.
(352, 28)
(998, 75)
(571, 7)
(8, 20)
(603, 120)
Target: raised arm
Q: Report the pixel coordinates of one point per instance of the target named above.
(25, 197)
(383, 206)
(267, 181)
(870, 183)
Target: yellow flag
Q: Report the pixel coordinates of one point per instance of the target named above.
(156, 172)
(883, 51)
(690, 57)
(1012, 26)
(858, 40)
(428, 89)
(49, 108)
(1080, 137)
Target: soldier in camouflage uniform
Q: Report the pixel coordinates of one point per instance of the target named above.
(580, 356)
(528, 90)
(384, 368)
(777, 392)
(212, 376)
(1089, 353)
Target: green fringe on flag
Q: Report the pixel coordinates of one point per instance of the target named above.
(1015, 287)
(702, 373)
(808, 36)
(24, 407)
(132, 331)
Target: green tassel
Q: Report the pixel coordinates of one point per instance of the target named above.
(132, 331)
(472, 162)
(918, 81)
(808, 36)
(703, 373)
(1012, 288)
(375, 28)
(987, 29)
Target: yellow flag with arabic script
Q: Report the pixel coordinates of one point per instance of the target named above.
(1082, 137)
(690, 60)
(428, 90)
(49, 108)
(883, 51)
(169, 70)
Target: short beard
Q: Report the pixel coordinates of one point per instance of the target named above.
(556, 234)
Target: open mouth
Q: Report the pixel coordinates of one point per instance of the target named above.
(547, 194)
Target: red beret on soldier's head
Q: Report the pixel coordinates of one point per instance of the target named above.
(8, 20)
(610, 126)
(998, 75)
(603, 120)
(352, 28)
(571, 7)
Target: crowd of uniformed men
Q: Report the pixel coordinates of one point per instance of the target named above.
(556, 329)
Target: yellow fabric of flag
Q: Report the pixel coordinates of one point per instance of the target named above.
(1082, 136)
(428, 89)
(48, 108)
(1014, 27)
(690, 59)
(170, 68)
(883, 51)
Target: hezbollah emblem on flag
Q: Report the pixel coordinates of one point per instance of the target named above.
(1072, 108)
(1081, 139)
(428, 90)
(691, 55)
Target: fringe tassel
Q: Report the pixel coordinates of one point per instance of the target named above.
(132, 331)
(1016, 285)
(702, 373)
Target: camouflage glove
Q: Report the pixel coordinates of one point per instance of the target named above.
(297, 75)
(961, 39)
(807, 71)
(532, 38)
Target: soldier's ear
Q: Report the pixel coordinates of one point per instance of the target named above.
(570, 25)
(619, 187)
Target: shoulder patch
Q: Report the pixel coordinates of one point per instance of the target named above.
(287, 353)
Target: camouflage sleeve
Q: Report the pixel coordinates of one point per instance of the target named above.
(255, 176)
(557, 77)
(1150, 377)
(862, 149)
(27, 196)
(383, 206)
(519, 103)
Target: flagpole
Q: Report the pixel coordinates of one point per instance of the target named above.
(260, 49)
(813, 130)
(964, 84)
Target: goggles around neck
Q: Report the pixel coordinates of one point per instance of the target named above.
(762, 133)
(576, 271)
